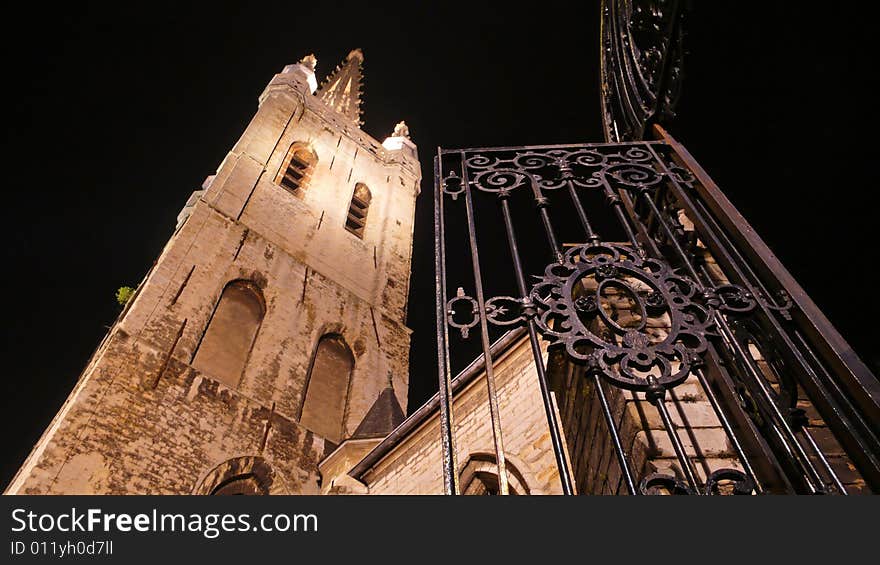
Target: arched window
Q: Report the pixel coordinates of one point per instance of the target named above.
(327, 388)
(358, 209)
(227, 341)
(479, 476)
(297, 168)
(248, 484)
(248, 474)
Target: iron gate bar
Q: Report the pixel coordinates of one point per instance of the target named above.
(484, 331)
(698, 219)
(839, 404)
(646, 185)
(656, 395)
(450, 466)
(644, 230)
(852, 421)
(619, 452)
(592, 237)
(528, 310)
(728, 429)
(823, 333)
(812, 475)
(615, 198)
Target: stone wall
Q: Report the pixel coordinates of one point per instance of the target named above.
(142, 420)
(415, 465)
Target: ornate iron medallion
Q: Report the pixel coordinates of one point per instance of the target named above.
(628, 317)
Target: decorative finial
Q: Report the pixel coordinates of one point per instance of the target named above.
(355, 54)
(310, 61)
(401, 130)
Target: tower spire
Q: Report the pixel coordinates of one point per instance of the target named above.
(342, 89)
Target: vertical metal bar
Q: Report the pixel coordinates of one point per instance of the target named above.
(815, 447)
(661, 221)
(614, 200)
(484, 330)
(728, 429)
(649, 242)
(727, 334)
(655, 396)
(541, 202)
(812, 476)
(447, 438)
(825, 386)
(582, 215)
(622, 460)
(849, 371)
(552, 423)
(703, 219)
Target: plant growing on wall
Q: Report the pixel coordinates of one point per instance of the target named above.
(124, 294)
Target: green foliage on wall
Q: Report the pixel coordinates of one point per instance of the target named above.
(124, 294)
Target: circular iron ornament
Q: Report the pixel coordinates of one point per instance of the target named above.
(452, 185)
(465, 326)
(742, 485)
(500, 310)
(656, 483)
(574, 295)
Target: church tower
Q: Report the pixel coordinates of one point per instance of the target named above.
(272, 326)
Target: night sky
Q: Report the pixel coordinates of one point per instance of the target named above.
(114, 115)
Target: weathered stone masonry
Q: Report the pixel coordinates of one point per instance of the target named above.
(143, 420)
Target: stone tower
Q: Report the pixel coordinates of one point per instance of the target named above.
(270, 325)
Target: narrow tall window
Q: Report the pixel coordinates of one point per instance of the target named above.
(358, 209)
(297, 168)
(327, 389)
(226, 344)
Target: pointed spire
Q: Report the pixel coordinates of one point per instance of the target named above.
(342, 89)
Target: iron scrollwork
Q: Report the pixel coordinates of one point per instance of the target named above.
(500, 311)
(734, 298)
(672, 300)
(463, 326)
(642, 62)
(575, 303)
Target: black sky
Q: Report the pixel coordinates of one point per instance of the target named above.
(115, 114)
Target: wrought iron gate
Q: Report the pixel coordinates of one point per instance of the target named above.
(555, 234)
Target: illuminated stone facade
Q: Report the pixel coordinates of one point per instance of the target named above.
(144, 418)
(266, 351)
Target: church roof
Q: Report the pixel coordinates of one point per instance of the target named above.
(383, 417)
(507, 341)
(342, 89)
